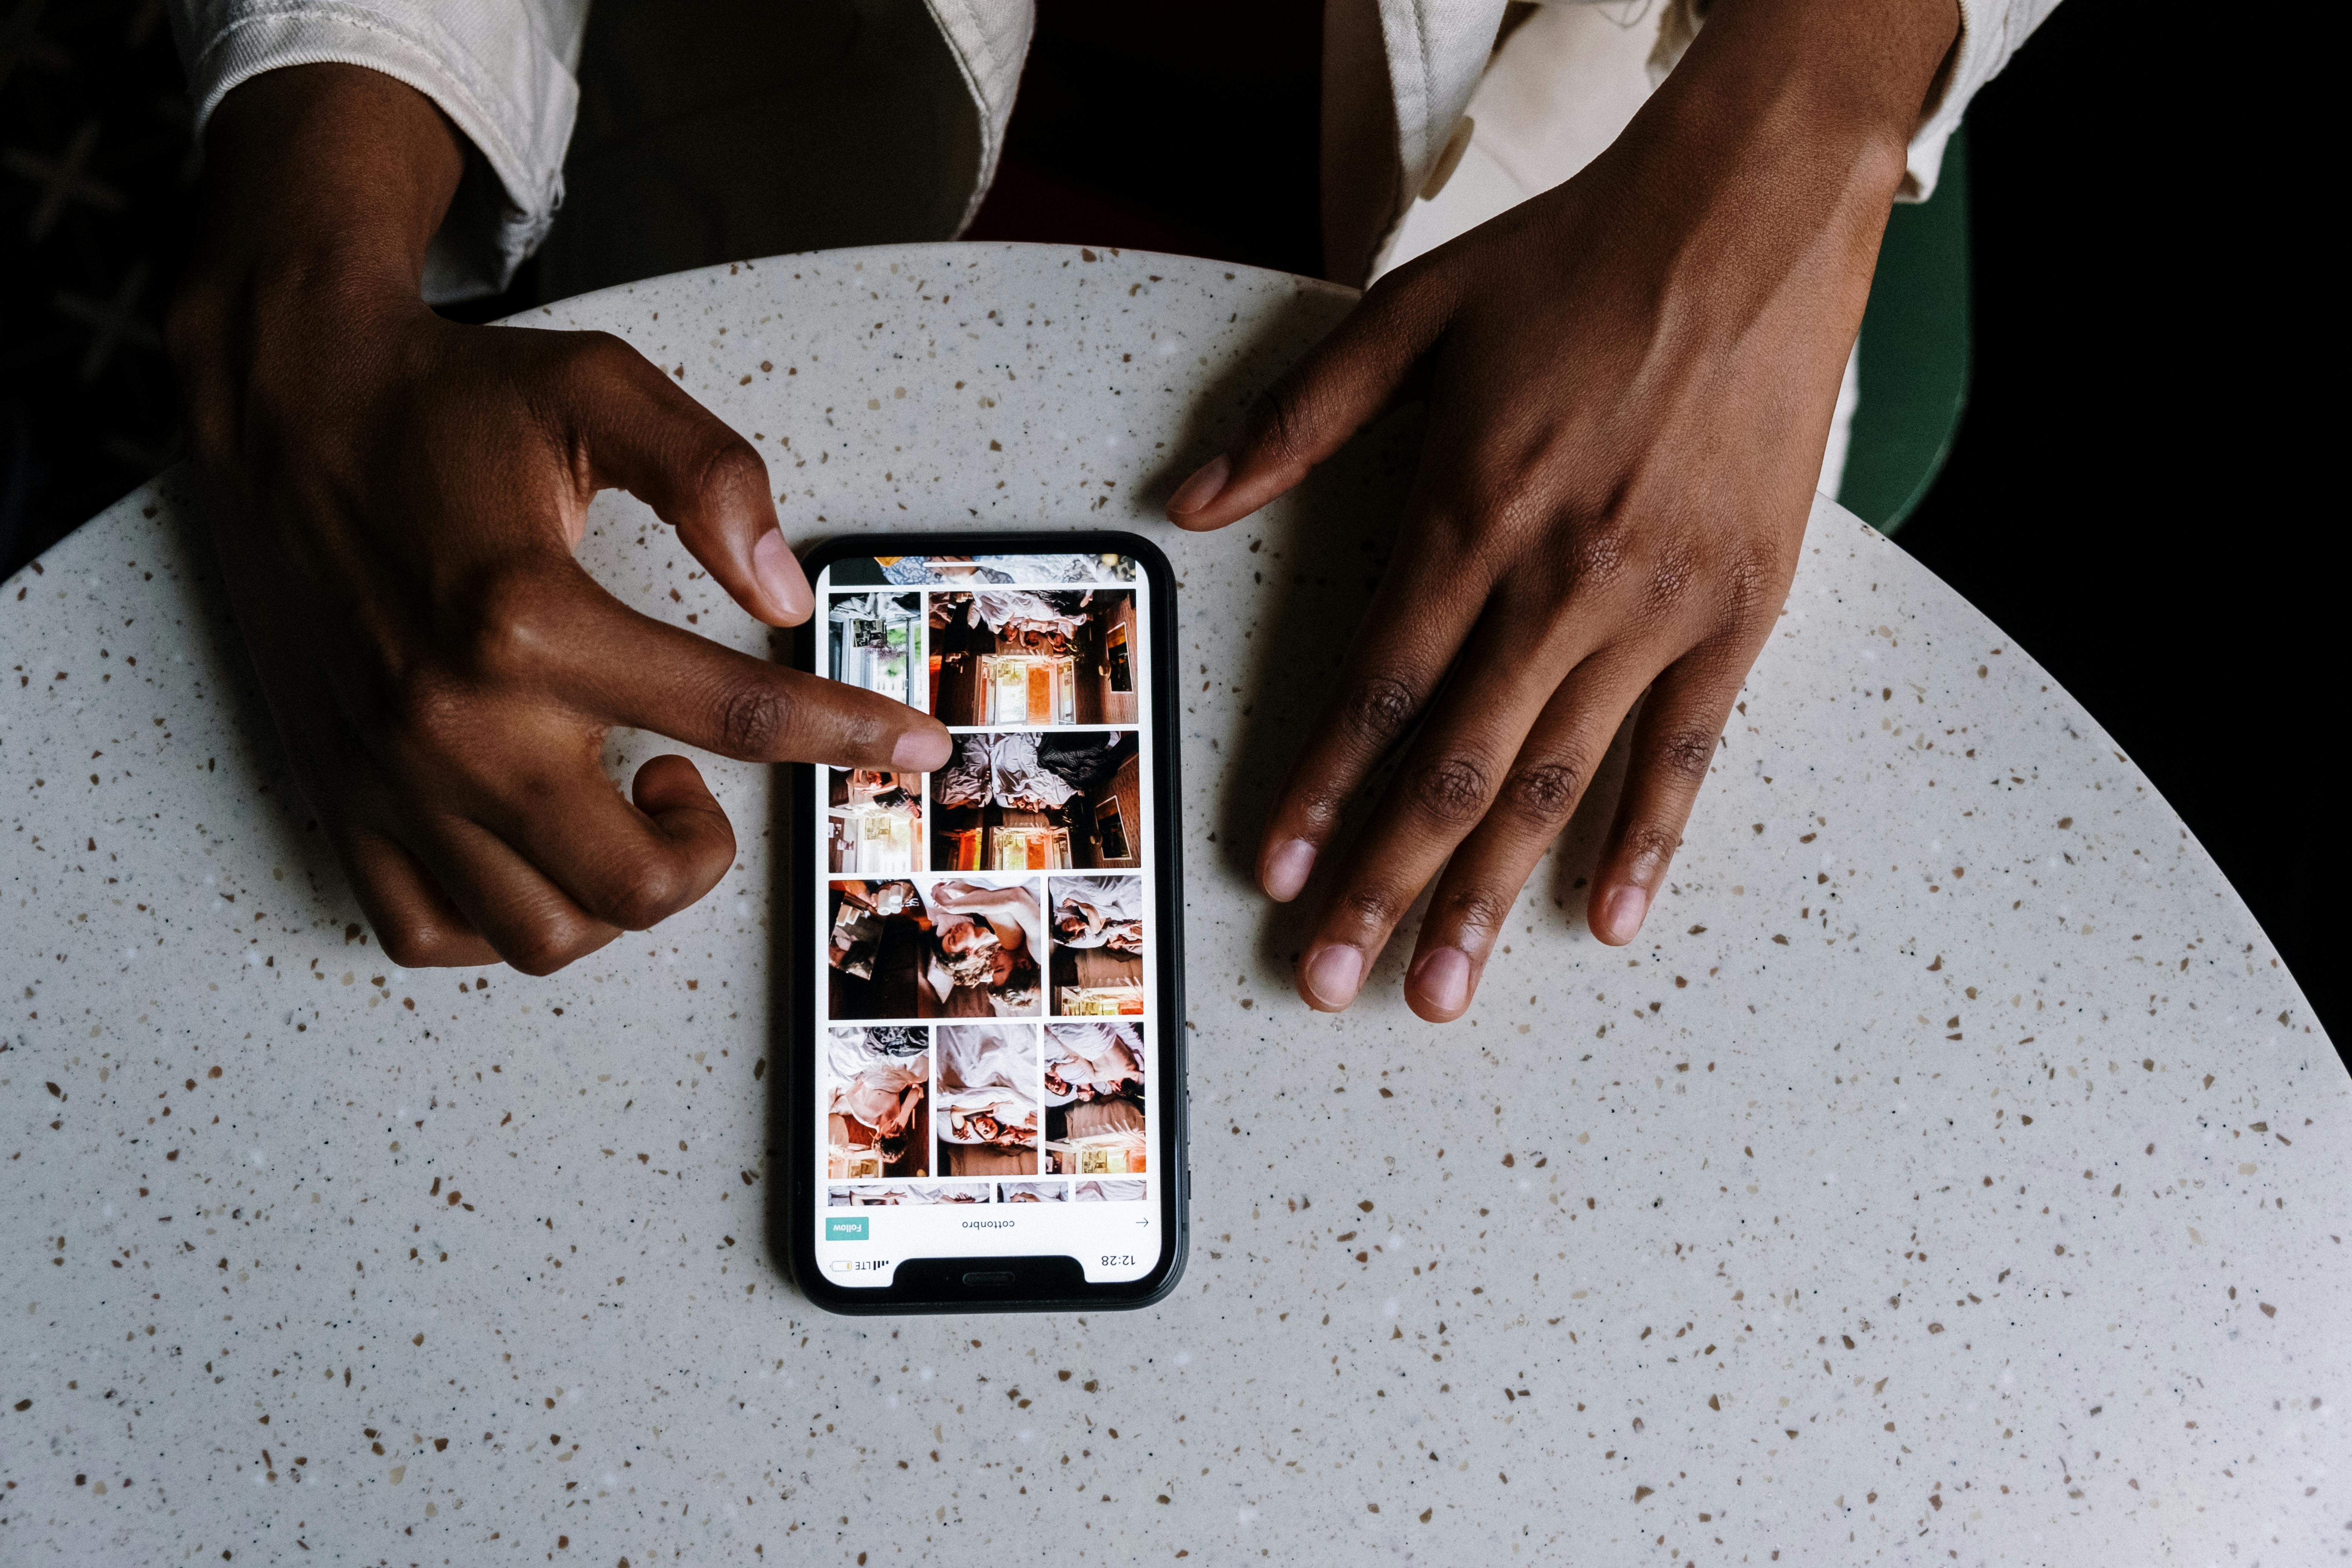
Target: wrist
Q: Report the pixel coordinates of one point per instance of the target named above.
(324, 186)
(1832, 87)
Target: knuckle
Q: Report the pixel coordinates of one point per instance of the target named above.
(1382, 708)
(751, 718)
(1368, 907)
(1600, 552)
(1685, 754)
(1747, 576)
(1547, 792)
(1480, 910)
(1648, 843)
(729, 466)
(649, 890)
(1454, 789)
(1321, 808)
(510, 624)
(1671, 575)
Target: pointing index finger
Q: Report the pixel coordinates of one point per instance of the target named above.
(638, 672)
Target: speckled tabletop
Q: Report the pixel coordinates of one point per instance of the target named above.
(1952, 1173)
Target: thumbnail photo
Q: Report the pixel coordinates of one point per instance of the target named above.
(1094, 1100)
(1051, 656)
(1038, 803)
(1097, 961)
(1031, 1192)
(895, 1195)
(873, 822)
(965, 948)
(876, 1083)
(987, 1116)
(874, 642)
(1107, 1192)
(971, 571)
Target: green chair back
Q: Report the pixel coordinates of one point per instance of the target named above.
(1917, 337)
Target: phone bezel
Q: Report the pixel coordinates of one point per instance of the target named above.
(1030, 1291)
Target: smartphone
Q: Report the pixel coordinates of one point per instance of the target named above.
(987, 1088)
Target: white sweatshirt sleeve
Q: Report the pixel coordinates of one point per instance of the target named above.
(1990, 31)
(501, 70)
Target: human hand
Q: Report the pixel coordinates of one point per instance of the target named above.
(1629, 381)
(396, 500)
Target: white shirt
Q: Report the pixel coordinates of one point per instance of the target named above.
(868, 1079)
(502, 71)
(1001, 770)
(1093, 1056)
(987, 1056)
(1105, 906)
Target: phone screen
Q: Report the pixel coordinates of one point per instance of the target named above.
(988, 978)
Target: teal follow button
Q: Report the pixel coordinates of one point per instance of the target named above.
(845, 1230)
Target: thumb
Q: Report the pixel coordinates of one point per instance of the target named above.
(1345, 382)
(636, 430)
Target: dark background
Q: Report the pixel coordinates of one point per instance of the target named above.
(2130, 493)
(2126, 496)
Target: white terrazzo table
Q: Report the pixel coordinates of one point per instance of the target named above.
(1951, 1174)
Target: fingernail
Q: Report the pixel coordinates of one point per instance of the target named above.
(1443, 979)
(1332, 976)
(1207, 482)
(1621, 914)
(920, 751)
(781, 579)
(1286, 868)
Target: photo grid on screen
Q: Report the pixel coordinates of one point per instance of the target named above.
(986, 1005)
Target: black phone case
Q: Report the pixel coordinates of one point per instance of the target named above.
(1042, 1284)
